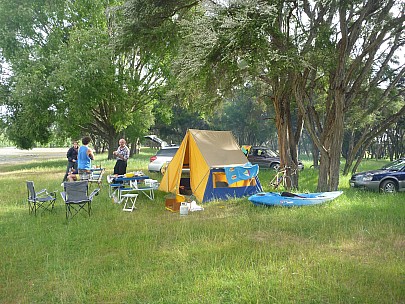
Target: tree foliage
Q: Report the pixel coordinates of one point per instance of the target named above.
(316, 59)
(113, 68)
(29, 33)
(251, 119)
(66, 71)
(365, 36)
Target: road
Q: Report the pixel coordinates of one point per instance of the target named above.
(13, 155)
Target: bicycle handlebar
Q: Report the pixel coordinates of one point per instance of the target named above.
(286, 168)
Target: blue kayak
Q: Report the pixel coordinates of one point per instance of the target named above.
(288, 199)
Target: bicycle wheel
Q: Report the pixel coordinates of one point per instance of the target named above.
(287, 181)
(276, 181)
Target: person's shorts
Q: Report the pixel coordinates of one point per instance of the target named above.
(84, 174)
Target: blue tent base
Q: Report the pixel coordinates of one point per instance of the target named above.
(226, 192)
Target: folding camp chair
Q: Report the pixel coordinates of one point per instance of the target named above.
(76, 197)
(96, 177)
(41, 199)
(130, 200)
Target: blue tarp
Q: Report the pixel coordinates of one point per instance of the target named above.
(238, 173)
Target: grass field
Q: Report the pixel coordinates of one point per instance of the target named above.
(351, 250)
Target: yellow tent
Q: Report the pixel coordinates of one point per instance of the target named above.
(198, 166)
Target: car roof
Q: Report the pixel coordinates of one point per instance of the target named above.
(162, 143)
(170, 147)
(260, 147)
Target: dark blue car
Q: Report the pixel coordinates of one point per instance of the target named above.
(390, 178)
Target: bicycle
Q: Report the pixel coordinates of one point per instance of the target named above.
(282, 178)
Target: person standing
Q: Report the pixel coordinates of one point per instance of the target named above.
(84, 157)
(121, 155)
(72, 159)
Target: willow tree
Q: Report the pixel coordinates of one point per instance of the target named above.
(312, 58)
(356, 42)
(367, 124)
(218, 48)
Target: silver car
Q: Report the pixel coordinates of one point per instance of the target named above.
(159, 161)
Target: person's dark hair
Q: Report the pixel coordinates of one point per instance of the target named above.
(86, 140)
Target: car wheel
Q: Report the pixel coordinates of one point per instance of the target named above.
(275, 166)
(388, 186)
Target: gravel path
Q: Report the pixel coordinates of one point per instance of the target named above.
(13, 155)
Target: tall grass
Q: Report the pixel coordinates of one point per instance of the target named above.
(350, 250)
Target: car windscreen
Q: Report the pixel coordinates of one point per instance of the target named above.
(167, 152)
(269, 153)
(395, 166)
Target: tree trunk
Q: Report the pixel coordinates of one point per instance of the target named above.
(332, 140)
(315, 156)
(350, 154)
(135, 147)
(286, 141)
(281, 130)
(112, 143)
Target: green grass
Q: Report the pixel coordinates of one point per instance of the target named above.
(350, 250)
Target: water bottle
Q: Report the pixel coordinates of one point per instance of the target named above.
(183, 209)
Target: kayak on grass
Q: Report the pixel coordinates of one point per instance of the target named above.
(288, 199)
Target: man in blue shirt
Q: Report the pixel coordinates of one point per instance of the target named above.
(84, 157)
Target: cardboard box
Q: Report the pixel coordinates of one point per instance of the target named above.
(172, 202)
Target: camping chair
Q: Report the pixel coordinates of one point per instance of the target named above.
(76, 197)
(41, 199)
(96, 177)
(130, 200)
